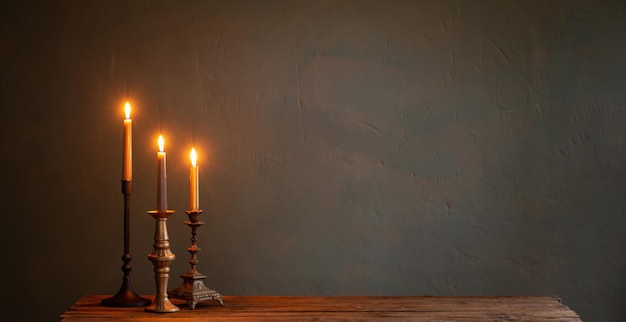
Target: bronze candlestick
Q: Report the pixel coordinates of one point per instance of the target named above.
(193, 289)
(126, 296)
(161, 258)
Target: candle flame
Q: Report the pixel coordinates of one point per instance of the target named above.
(193, 156)
(161, 143)
(127, 110)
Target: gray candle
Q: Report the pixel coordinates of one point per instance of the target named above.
(161, 178)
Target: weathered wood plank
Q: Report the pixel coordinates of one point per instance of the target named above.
(340, 308)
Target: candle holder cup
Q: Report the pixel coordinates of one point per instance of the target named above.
(193, 289)
(126, 296)
(161, 258)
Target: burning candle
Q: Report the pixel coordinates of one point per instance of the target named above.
(194, 200)
(161, 178)
(127, 166)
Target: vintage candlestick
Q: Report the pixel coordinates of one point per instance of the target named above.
(193, 289)
(126, 296)
(161, 258)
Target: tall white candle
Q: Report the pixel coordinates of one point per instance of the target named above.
(127, 166)
(194, 200)
(161, 177)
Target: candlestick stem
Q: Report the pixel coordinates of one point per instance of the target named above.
(161, 258)
(126, 296)
(193, 289)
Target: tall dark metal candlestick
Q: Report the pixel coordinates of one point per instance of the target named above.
(193, 289)
(126, 296)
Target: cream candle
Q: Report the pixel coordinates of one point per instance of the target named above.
(127, 165)
(194, 200)
(161, 177)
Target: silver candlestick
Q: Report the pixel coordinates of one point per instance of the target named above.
(161, 258)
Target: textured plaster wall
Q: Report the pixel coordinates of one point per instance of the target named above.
(346, 147)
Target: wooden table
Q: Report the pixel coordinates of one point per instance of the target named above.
(339, 308)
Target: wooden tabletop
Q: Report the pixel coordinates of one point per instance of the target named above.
(339, 308)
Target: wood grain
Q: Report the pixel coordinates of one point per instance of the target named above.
(340, 308)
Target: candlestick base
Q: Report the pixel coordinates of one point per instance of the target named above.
(125, 297)
(193, 289)
(162, 305)
(161, 258)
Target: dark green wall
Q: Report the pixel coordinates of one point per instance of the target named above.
(347, 147)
